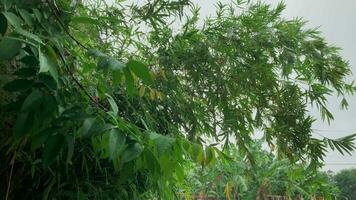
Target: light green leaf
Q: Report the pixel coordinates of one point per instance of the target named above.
(14, 20)
(47, 64)
(113, 104)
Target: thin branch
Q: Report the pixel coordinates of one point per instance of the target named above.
(12, 162)
(55, 11)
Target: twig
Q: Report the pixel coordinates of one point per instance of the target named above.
(12, 162)
(54, 11)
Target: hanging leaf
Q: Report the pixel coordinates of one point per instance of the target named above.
(33, 101)
(163, 143)
(52, 149)
(40, 138)
(106, 62)
(140, 70)
(9, 48)
(22, 125)
(26, 16)
(113, 104)
(130, 82)
(47, 64)
(116, 143)
(14, 20)
(131, 152)
(88, 127)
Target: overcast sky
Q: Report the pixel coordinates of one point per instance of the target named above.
(337, 21)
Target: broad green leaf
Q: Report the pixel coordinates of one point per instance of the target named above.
(18, 85)
(152, 162)
(40, 138)
(33, 101)
(9, 48)
(28, 35)
(22, 125)
(25, 72)
(140, 70)
(131, 152)
(163, 143)
(117, 142)
(52, 148)
(88, 124)
(197, 153)
(130, 82)
(14, 20)
(30, 61)
(209, 155)
(48, 81)
(113, 104)
(47, 64)
(26, 16)
(106, 62)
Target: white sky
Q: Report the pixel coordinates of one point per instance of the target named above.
(337, 21)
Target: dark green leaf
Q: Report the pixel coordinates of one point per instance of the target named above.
(40, 138)
(48, 81)
(52, 149)
(18, 85)
(22, 125)
(25, 72)
(33, 101)
(131, 152)
(9, 48)
(3, 24)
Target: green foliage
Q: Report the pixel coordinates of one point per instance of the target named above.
(346, 181)
(109, 101)
(236, 177)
